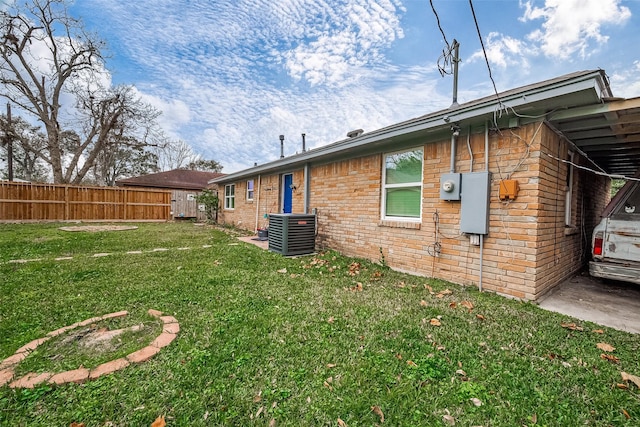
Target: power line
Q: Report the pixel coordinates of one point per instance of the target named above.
(438, 21)
(473, 12)
(447, 59)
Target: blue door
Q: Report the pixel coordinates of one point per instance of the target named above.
(287, 193)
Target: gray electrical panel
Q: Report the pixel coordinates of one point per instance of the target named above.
(450, 186)
(474, 209)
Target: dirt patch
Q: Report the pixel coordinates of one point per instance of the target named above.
(98, 228)
(98, 340)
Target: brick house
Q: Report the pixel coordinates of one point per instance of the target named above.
(492, 193)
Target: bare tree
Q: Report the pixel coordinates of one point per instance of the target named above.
(70, 69)
(175, 154)
(28, 145)
(205, 165)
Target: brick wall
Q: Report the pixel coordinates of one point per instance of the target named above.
(528, 249)
(252, 214)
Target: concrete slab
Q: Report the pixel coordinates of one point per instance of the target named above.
(264, 244)
(607, 303)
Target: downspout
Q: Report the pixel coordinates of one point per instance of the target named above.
(307, 187)
(486, 168)
(258, 203)
(454, 137)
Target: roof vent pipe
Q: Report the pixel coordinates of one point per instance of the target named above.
(355, 133)
(304, 148)
(281, 146)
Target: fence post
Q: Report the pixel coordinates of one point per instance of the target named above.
(66, 202)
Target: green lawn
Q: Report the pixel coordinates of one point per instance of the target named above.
(302, 341)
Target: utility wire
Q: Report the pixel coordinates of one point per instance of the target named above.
(473, 12)
(438, 21)
(446, 61)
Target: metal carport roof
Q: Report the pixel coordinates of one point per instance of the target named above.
(608, 133)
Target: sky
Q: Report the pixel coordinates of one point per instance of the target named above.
(231, 76)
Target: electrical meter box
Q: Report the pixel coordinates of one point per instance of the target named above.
(474, 209)
(450, 186)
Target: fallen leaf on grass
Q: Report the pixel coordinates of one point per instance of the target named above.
(461, 372)
(622, 386)
(259, 411)
(479, 317)
(572, 326)
(610, 357)
(412, 363)
(476, 401)
(376, 410)
(628, 377)
(626, 414)
(467, 304)
(449, 420)
(272, 423)
(341, 423)
(453, 304)
(258, 397)
(356, 288)
(605, 347)
(423, 303)
(283, 271)
(331, 365)
(159, 422)
(435, 322)
(330, 319)
(74, 424)
(441, 294)
(429, 288)
(598, 331)
(354, 268)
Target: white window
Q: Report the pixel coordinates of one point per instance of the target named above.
(230, 196)
(250, 189)
(402, 185)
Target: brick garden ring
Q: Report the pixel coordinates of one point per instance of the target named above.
(170, 329)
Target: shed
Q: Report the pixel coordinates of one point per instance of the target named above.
(185, 185)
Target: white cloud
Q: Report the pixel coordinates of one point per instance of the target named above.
(333, 54)
(504, 51)
(572, 26)
(626, 82)
(175, 112)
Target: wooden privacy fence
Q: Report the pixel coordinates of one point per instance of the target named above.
(49, 202)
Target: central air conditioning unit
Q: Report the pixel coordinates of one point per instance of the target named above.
(292, 234)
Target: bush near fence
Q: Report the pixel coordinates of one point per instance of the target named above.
(23, 202)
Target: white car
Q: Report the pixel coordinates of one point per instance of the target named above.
(616, 240)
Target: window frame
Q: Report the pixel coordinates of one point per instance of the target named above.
(384, 187)
(568, 206)
(250, 190)
(230, 197)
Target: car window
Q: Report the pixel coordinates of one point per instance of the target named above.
(630, 209)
